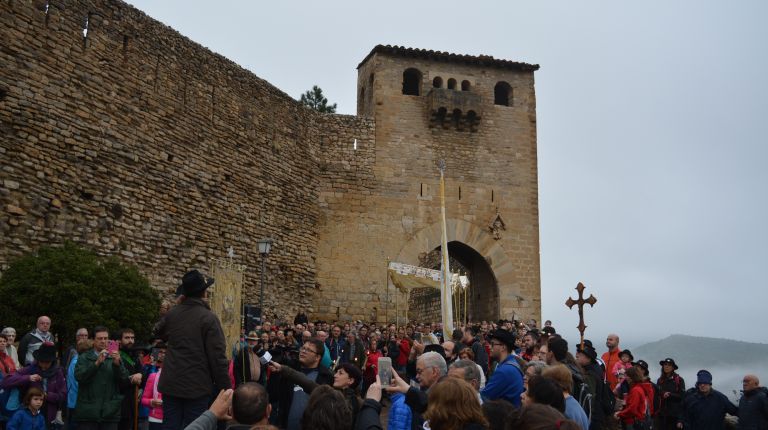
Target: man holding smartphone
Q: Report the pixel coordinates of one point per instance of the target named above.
(98, 373)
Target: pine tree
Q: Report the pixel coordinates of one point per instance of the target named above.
(314, 99)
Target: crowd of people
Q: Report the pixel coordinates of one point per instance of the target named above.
(318, 375)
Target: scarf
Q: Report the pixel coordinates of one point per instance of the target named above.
(48, 373)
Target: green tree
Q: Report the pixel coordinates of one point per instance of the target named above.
(314, 99)
(76, 288)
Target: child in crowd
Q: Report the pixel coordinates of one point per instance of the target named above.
(619, 370)
(30, 417)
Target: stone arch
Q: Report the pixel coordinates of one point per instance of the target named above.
(478, 239)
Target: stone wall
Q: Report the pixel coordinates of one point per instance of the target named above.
(135, 141)
(491, 174)
(122, 135)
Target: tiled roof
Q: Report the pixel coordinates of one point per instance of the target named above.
(477, 60)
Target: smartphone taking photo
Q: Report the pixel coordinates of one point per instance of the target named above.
(112, 346)
(385, 371)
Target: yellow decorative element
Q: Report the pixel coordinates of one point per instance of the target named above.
(226, 297)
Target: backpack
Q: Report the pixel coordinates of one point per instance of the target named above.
(585, 397)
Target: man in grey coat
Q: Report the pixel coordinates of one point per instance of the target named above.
(196, 364)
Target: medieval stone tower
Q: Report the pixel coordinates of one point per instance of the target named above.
(479, 115)
(120, 134)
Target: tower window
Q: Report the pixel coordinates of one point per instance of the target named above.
(437, 82)
(411, 82)
(502, 94)
(465, 85)
(451, 84)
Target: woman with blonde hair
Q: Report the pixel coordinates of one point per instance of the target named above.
(453, 405)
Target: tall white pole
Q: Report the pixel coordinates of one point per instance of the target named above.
(446, 303)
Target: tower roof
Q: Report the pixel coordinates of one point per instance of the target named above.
(476, 60)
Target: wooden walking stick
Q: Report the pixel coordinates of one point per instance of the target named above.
(581, 302)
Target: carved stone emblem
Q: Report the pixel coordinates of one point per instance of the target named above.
(497, 226)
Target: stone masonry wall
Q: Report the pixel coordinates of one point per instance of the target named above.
(133, 140)
(490, 172)
(122, 135)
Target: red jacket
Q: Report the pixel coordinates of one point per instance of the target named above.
(634, 408)
(405, 351)
(648, 391)
(7, 366)
(371, 368)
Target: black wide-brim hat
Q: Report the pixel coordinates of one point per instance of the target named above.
(668, 361)
(626, 351)
(194, 282)
(46, 352)
(505, 336)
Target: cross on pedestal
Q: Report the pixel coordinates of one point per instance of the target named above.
(591, 300)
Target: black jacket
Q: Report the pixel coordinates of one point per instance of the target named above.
(368, 418)
(672, 405)
(753, 410)
(196, 363)
(481, 356)
(296, 377)
(416, 399)
(596, 379)
(702, 412)
(284, 391)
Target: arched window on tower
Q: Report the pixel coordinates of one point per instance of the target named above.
(437, 82)
(502, 94)
(411, 82)
(451, 84)
(465, 85)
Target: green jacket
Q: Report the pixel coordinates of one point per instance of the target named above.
(98, 395)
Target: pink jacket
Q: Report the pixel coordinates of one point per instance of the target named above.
(149, 394)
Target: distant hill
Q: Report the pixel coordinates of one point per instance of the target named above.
(728, 360)
(702, 352)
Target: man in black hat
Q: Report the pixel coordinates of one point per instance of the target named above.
(603, 402)
(671, 391)
(196, 364)
(507, 380)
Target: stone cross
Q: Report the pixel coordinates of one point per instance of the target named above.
(591, 300)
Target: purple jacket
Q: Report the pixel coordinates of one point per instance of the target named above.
(55, 396)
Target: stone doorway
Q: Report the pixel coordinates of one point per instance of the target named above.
(483, 294)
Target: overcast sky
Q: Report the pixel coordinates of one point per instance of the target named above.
(652, 125)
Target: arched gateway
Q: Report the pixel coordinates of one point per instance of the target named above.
(476, 252)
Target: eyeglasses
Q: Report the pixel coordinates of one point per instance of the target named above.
(305, 349)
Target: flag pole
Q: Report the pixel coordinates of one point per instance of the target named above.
(446, 303)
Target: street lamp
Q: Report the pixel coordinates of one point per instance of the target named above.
(265, 245)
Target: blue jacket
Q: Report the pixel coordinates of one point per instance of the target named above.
(72, 383)
(505, 383)
(702, 412)
(399, 413)
(24, 420)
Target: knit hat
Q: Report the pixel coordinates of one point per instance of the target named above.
(703, 377)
